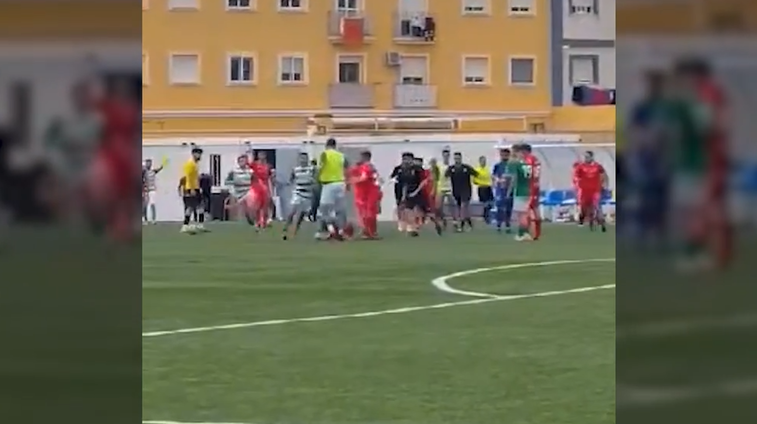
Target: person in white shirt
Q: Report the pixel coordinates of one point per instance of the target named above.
(417, 26)
(149, 177)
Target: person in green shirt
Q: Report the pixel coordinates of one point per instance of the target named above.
(519, 182)
(698, 160)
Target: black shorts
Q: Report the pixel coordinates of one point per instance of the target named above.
(416, 202)
(398, 194)
(485, 195)
(462, 196)
(192, 200)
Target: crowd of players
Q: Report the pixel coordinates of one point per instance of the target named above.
(85, 174)
(510, 192)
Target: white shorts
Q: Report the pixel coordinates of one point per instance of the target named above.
(333, 194)
(240, 195)
(300, 204)
(152, 196)
(520, 204)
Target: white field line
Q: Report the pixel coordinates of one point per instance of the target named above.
(634, 397)
(441, 282)
(482, 298)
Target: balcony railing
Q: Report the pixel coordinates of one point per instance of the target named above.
(335, 22)
(413, 27)
(351, 96)
(415, 96)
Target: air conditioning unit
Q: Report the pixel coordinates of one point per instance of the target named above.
(393, 59)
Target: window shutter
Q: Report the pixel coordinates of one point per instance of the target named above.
(184, 69)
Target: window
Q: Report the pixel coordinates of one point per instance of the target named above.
(583, 69)
(474, 7)
(183, 4)
(348, 6)
(291, 5)
(522, 7)
(184, 68)
(584, 7)
(292, 70)
(475, 70)
(145, 69)
(522, 70)
(239, 4)
(413, 70)
(241, 69)
(350, 70)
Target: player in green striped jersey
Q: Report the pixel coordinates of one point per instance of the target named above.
(519, 180)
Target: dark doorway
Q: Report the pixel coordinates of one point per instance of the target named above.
(270, 155)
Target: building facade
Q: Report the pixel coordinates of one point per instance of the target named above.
(583, 46)
(453, 55)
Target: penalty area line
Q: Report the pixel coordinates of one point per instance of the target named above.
(481, 299)
(441, 282)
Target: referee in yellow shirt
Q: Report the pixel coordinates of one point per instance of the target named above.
(189, 189)
(483, 182)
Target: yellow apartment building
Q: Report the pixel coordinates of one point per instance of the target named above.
(205, 62)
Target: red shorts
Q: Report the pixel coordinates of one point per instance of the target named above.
(589, 198)
(367, 205)
(261, 193)
(258, 196)
(113, 174)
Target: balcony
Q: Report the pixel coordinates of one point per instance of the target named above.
(408, 96)
(413, 28)
(351, 96)
(349, 27)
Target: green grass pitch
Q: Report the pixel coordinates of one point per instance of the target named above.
(534, 360)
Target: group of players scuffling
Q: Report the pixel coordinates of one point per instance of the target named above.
(422, 195)
(252, 188)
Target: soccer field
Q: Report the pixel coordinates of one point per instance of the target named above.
(306, 332)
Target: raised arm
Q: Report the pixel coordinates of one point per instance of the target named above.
(472, 171)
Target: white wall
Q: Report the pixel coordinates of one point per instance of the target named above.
(607, 68)
(52, 69)
(557, 165)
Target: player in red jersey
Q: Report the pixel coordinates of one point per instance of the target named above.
(363, 180)
(261, 189)
(429, 192)
(591, 178)
(701, 165)
(534, 215)
(425, 206)
(114, 184)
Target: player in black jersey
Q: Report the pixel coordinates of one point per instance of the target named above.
(460, 175)
(410, 180)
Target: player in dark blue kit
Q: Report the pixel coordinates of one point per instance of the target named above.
(503, 201)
